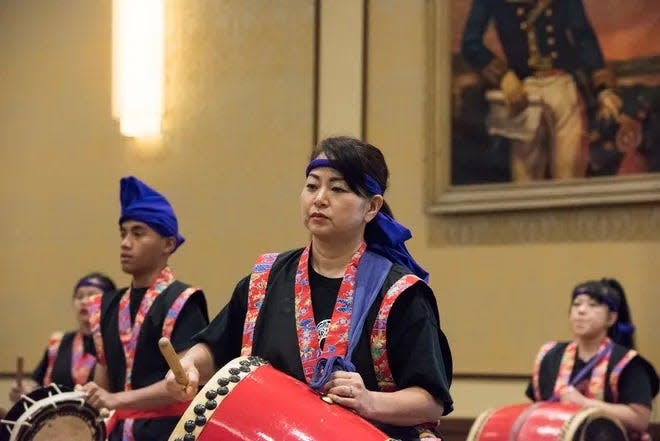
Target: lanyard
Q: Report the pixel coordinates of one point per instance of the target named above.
(336, 343)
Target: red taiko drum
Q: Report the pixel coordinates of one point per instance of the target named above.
(545, 421)
(250, 400)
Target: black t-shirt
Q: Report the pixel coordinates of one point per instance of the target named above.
(136, 299)
(62, 368)
(324, 295)
(416, 354)
(635, 384)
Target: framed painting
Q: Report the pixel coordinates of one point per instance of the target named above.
(544, 103)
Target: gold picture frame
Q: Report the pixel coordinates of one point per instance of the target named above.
(447, 197)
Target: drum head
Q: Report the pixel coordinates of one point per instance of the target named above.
(591, 424)
(52, 413)
(602, 429)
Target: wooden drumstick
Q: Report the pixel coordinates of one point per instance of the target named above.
(173, 361)
(19, 371)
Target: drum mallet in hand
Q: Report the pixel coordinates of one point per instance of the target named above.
(173, 361)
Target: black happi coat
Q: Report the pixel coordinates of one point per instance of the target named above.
(638, 382)
(62, 368)
(149, 366)
(418, 351)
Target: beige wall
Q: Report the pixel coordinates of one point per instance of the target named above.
(238, 117)
(237, 128)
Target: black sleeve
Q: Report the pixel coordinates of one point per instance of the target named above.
(473, 48)
(192, 319)
(224, 334)
(39, 372)
(415, 346)
(635, 384)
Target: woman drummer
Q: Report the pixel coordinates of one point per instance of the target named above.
(70, 357)
(350, 313)
(600, 367)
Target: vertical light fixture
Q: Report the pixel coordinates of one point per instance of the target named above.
(138, 65)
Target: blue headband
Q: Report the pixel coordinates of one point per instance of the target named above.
(370, 184)
(93, 282)
(384, 235)
(611, 303)
(142, 203)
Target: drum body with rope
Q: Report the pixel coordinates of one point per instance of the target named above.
(250, 400)
(545, 421)
(52, 413)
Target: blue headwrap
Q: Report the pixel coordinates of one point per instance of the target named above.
(384, 235)
(95, 282)
(599, 292)
(142, 203)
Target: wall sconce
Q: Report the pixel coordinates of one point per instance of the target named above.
(138, 65)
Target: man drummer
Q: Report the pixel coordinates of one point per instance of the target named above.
(128, 323)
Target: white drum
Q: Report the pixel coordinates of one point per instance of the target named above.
(52, 413)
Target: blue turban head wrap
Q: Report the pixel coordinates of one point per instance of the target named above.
(142, 203)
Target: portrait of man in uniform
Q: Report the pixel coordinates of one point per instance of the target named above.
(554, 89)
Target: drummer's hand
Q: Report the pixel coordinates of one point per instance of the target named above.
(99, 397)
(347, 389)
(18, 389)
(569, 394)
(179, 391)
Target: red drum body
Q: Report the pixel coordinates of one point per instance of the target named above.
(52, 414)
(545, 421)
(250, 400)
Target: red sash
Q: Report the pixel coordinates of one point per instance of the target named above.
(53, 347)
(173, 410)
